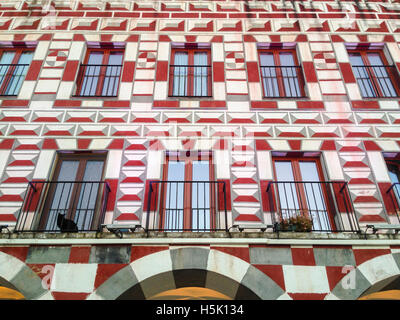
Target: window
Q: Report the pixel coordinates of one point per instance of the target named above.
(375, 78)
(188, 194)
(394, 191)
(281, 74)
(73, 194)
(301, 190)
(190, 73)
(99, 75)
(14, 64)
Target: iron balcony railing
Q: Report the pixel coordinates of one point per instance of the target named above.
(63, 206)
(98, 80)
(190, 81)
(11, 78)
(377, 81)
(393, 205)
(196, 206)
(327, 204)
(282, 81)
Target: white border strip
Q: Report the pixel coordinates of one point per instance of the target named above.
(204, 241)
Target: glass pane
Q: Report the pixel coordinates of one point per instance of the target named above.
(181, 60)
(287, 190)
(88, 194)
(201, 195)
(362, 75)
(62, 193)
(289, 75)
(91, 74)
(19, 73)
(113, 71)
(173, 218)
(5, 62)
(314, 195)
(200, 74)
(268, 73)
(381, 74)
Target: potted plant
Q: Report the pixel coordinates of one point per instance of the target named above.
(300, 223)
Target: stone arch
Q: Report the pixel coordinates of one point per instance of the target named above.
(22, 278)
(364, 276)
(211, 266)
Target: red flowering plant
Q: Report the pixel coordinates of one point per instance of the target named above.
(300, 223)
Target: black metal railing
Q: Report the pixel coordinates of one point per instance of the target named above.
(98, 80)
(282, 81)
(393, 205)
(327, 204)
(63, 206)
(196, 206)
(376, 81)
(11, 78)
(190, 81)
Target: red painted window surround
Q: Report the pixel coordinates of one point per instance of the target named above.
(376, 76)
(280, 70)
(15, 63)
(190, 70)
(101, 70)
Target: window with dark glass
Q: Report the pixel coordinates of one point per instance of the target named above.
(99, 75)
(281, 74)
(14, 64)
(301, 190)
(73, 194)
(190, 73)
(375, 77)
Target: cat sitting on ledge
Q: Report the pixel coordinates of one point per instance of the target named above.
(66, 225)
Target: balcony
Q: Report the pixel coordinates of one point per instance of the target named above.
(63, 206)
(196, 206)
(11, 78)
(327, 204)
(282, 81)
(98, 80)
(190, 81)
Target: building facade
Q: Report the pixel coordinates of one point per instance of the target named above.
(202, 149)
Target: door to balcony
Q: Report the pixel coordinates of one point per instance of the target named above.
(73, 193)
(188, 200)
(301, 190)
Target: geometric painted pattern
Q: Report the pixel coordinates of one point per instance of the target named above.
(265, 272)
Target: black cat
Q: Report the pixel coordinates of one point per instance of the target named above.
(66, 225)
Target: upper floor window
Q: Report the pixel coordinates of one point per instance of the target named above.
(281, 74)
(14, 64)
(190, 73)
(99, 75)
(375, 77)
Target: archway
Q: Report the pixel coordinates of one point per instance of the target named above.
(18, 277)
(8, 291)
(189, 284)
(189, 267)
(369, 277)
(388, 289)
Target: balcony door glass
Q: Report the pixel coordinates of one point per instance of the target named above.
(187, 197)
(181, 61)
(300, 191)
(73, 193)
(13, 68)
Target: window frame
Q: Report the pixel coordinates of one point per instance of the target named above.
(102, 72)
(301, 197)
(190, 84)
(83, 158)
(377, 90)
(277, 63)
(8, 76)
(187, 197)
